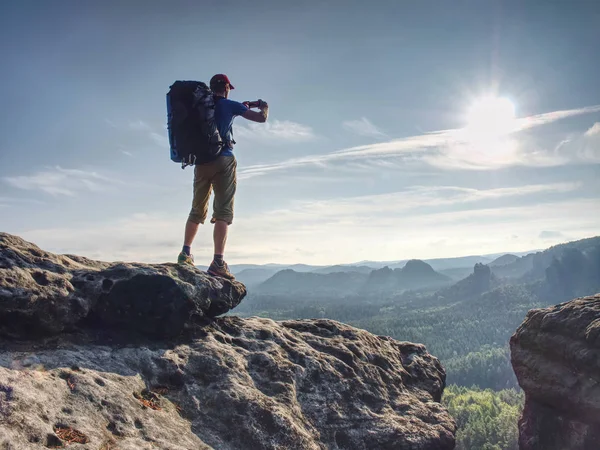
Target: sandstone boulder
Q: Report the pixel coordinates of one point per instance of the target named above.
(556, 357)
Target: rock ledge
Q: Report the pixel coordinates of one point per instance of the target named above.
(43, 294)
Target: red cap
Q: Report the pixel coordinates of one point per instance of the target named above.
(221, 78)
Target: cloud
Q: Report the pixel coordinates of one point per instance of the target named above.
(388, 231)
(340, 231)
(363, 127)
(414, 200)
(583, 148)
(400, 147)
(58, 181)
(160, 139)
(594, 130)
(497, 153)
(276, 131)
(452, 149)
(551, 235)
(11, 201)
(139, 125)
(138, 237)
(546, 118)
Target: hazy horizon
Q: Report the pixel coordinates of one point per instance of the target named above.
(406, 130)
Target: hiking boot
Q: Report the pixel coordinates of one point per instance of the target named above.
(185, 259)
(217, 270)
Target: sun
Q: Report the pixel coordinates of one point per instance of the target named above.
(490, 117)
(488, 138)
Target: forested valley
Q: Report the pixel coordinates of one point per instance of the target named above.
(467, 324)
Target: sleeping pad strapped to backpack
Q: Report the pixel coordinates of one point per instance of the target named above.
(193, 134)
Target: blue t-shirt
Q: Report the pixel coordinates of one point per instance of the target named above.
(225, 111)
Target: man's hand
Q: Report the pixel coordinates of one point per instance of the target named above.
(264, 109)
(260, 104)
(256, 116)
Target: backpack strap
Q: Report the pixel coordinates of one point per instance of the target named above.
(231, 132)
(216, 99)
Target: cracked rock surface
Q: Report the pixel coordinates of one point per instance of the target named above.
(104, 378)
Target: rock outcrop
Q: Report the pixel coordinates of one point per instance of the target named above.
(42, 293)
(92, 357)
(416, 274)
(556, 357)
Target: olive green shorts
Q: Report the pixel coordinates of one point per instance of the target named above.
(220, 176)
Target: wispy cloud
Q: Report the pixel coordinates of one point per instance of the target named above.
(583, 148)
(139, 125)
(389, 231)
(363, 127)
(158, 135)
(10, 201)
(552, 235)
(58, 181)
(338, 231)
(414, 200)
(546, 118)
(449, 149)
(594, 130)
(405, 148)
(276, 131)
(160, 139)
(138, 237)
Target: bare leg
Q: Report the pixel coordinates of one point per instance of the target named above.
(191, 228)
(220, 236)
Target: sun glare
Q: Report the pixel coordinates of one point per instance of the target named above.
(491, 117)
(488, 140)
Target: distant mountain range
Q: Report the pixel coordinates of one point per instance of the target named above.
(466, 322)
(290, 282)
(533, 266)
(456, 268)
(399, 277)
(341, 282)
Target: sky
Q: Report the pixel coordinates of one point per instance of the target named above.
(380, 144)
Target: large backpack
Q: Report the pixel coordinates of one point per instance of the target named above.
(193, 134)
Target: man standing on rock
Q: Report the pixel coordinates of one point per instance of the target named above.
(219, 175)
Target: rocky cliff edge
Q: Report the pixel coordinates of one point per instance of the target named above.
(109, 356)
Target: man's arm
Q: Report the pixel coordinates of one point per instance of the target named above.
(258, 116)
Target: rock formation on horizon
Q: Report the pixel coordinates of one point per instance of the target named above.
(416, 274)
(97, 355)
(556, 356)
